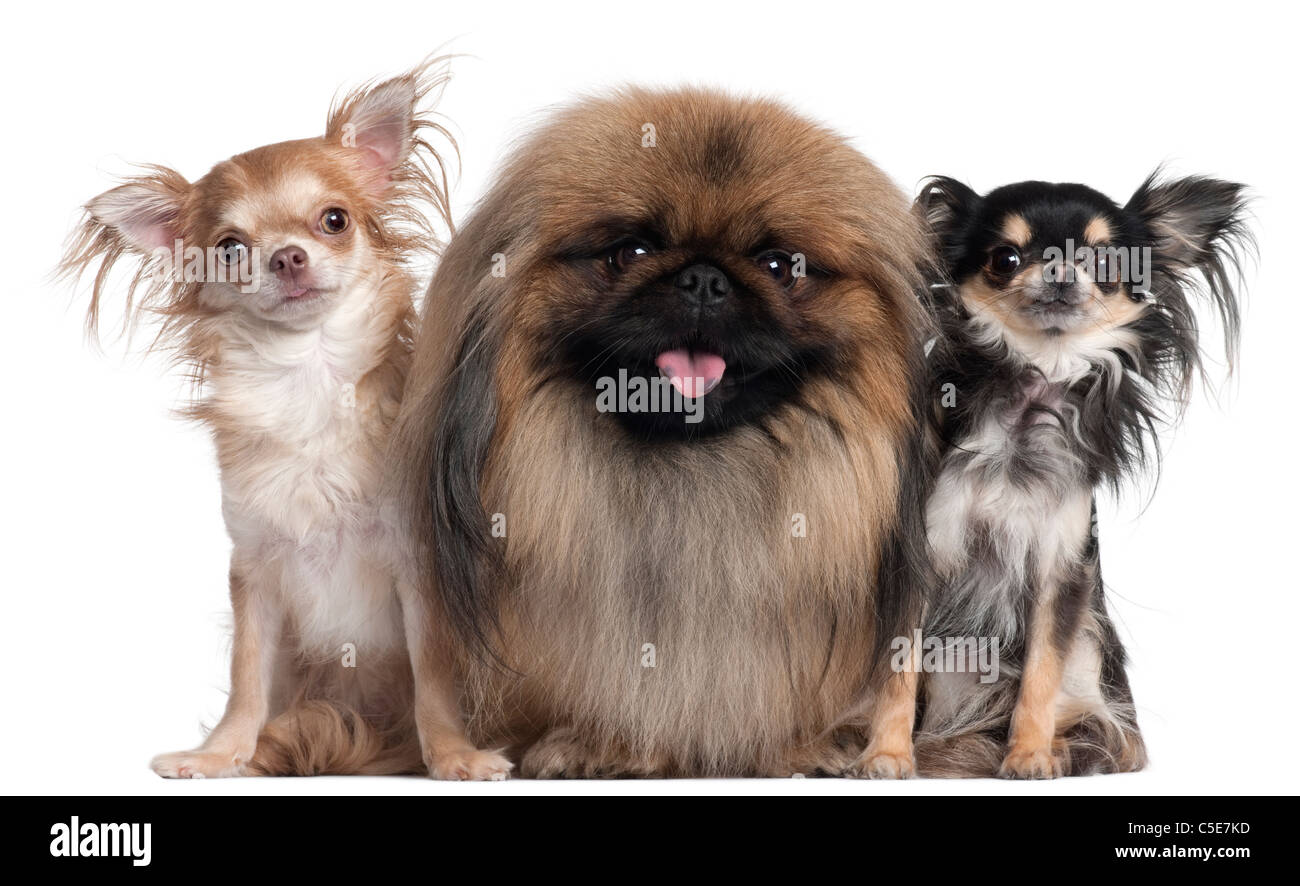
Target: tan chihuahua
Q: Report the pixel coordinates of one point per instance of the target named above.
(281, 279)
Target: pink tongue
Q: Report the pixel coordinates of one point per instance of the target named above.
(694, 375)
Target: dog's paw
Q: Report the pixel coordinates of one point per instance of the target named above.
(563, 753)
(558, 754)
(883, 764)
(198, 764)
(831, 757)
(1030, 763)
(470, 765)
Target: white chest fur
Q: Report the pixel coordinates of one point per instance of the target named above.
(301, 448)
(1010, 506)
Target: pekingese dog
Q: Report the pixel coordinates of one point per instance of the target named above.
(661, 446)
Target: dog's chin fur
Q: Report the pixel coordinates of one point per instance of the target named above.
(652, 607)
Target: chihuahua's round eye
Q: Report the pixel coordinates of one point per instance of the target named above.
(1004, 261)
(334, 221)
(780, 266)
(1106, 278)
(626, 253)
(231, 251)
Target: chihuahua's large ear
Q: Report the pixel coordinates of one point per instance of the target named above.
(141, 217)
(385, 124)
(1191, 218)
(946, 206)
(1198, 224)
(379, 121)
(143, 213)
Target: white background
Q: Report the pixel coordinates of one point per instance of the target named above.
(114, 599)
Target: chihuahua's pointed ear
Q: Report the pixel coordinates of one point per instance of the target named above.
(141, 217)
(1191, 218)
(1198, 224)
(390, 133)
(946, 205)
(379, 121)
(145, 212)
(943, 200)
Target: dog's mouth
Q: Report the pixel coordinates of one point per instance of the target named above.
(302, 293)
(1053, 308)
(298, 297)
(694, 373)
(666, 383)
(1057, 314)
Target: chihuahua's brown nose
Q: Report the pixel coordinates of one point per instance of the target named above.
(288, 261)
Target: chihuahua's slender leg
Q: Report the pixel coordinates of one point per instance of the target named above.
(889, 752)
(1054, 619)
(446, 750)
(1033, 722)
(1065, 585)
(231, 743)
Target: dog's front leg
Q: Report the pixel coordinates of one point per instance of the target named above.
(1033, 721)
(446, 750)
(1063, 588)
(889, 751)
(229, 747)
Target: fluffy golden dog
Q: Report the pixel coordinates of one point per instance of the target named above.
(660, 446)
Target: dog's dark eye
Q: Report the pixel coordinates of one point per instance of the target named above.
(780, 266)
(1106, 278)
(231, 251)
(334, 221)
(1004, 261)
(625, 254)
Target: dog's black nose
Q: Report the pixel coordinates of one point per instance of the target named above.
(285, 262)
(1058, 290)
(1065, 292)
(703, 284)
(1061, 284)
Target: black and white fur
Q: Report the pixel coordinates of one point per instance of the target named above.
(1052, 383)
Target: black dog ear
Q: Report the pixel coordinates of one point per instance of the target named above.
(1198, 224)
(1191, 219)
(464, 560)
(445, 432)
(946, 206)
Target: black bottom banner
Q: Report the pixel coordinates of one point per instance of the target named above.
(632, 836)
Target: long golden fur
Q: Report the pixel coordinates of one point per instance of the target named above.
(618, 551)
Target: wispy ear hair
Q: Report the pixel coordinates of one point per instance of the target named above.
(946, 206)
(140, 219)
(1200, 224)
(391, 123)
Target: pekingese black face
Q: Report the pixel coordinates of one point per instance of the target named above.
(713, 324)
